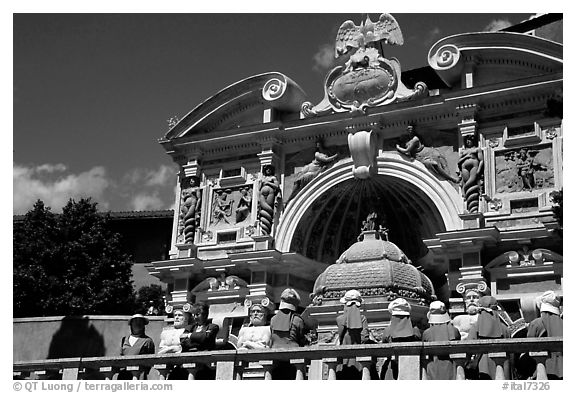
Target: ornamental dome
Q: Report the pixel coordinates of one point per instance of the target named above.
(376, 268)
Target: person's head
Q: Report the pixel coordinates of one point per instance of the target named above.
(352, 297)
(138, 324)
(437, 314)
(257, 315)
(289, 300)
(549, 302)
(182, 317)
(399, 308)
(471, 298)
(194, 181)
(523, 153)
(469, 141)
(200, 313)
(268, 170)
(258, 310)
(488, 303)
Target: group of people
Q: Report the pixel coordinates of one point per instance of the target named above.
(287, 329)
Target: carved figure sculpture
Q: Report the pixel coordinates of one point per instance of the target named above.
(257, 335)
(319, 164)
(549, 324)
(136, 343)
(222, 208)
(433, 160)
(190, 210)
(222, 283)
(269, 190)
(525, 166)
(170, 338)
(471, 293)
(368, 79)
(488, 326)
(441, 329)
(244, 205)
(352, 329)
(471, 166)
(351, 37)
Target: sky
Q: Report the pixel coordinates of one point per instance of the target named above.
(92, 93)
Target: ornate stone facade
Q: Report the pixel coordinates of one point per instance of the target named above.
(469, 182)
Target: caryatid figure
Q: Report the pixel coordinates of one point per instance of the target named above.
(170, 338)
(471, 166)
(269, 190)
(471, 293)
(190, 209)
(257, 335)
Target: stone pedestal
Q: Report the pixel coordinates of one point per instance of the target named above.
(263, 242)
(186, 250)
(472, 220)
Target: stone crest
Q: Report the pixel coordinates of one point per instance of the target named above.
(367, 79)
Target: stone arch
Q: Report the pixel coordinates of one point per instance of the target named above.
(434, 193)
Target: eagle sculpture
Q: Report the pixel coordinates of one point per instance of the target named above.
(351, 37)
(219, 284)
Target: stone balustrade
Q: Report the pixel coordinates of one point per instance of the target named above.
(313, 363)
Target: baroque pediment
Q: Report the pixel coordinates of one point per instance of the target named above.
(494, 57)
(241, 104)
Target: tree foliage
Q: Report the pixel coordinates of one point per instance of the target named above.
(150, 300)
(557, 198)
(70, 264)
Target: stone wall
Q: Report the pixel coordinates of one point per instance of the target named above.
(63, 337)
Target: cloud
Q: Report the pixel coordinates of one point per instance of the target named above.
(497, 24)
(162, 176)
(39, 182)
(51, 168)
(147, 202)
(432, 36)
(324, 58)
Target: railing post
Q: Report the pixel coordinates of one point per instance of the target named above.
(108, 372)
(40, 374)
(300, 365)
(225, 370)
(239, 370)
(162, 371)
(70, 373)
(460, 375)
(541, 373)
(366, 362)
(315, 371)
(191, 368)
(331, 363)
(409, 367)
(540, 357)
(501, 360)
(267, 365)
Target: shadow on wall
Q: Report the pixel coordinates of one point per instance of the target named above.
(87, 340)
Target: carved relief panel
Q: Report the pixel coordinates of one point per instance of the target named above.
(231, 207)
(524, 169)
(524, 164)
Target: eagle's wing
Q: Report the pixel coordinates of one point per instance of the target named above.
(388, 29)
(234, 281)
(348, 37)
(206, 284)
